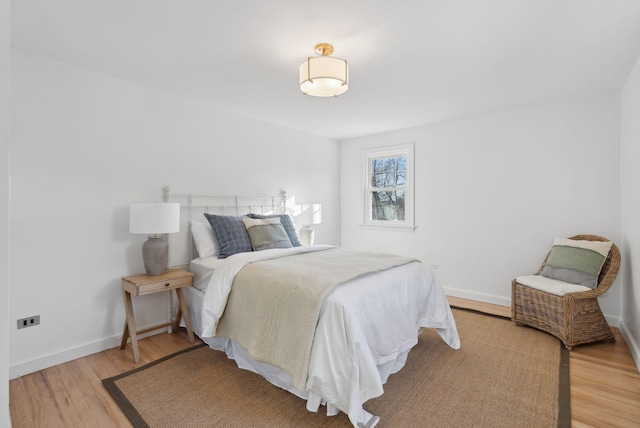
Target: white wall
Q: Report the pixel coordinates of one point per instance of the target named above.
(5, 60)
(85, 146)
(630, 154)
(492, 193)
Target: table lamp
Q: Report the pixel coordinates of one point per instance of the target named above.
(154, 219)
(311, 214)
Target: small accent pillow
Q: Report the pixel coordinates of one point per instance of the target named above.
(576, 262)
(287, 223)
(230, 233)
(204, 240)
(266, 233)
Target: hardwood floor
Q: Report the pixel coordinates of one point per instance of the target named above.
(72, 395)
(605, 384)
(604, 379)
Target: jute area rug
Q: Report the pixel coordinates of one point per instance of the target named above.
(502, 376)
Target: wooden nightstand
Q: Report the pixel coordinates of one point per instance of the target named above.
(139, 285)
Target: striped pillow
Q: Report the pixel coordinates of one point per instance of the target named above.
(286, 222)
(576, 262)
(266, 233)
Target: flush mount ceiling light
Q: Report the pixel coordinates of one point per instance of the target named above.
(323, 75)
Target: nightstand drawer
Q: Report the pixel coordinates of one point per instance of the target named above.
(142, 284)
(164, 285)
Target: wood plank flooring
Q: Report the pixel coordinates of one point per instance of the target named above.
(605, 384)
(604, 379)
(72, 395)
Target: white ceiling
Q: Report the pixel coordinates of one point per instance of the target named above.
(411, 61)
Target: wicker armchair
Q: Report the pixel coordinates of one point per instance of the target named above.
(574, 318)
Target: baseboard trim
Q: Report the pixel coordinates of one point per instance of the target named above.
(612, 321)
(479, 297)
(42, 363)
(634, 347)
(38, 364)
(504, 301)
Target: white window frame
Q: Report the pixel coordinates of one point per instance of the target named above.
(384, 152)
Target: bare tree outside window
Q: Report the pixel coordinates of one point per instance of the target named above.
(388, 179)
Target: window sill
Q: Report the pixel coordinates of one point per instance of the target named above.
(389, 227)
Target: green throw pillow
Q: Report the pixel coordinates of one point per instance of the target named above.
(266, 233)
(576, 262)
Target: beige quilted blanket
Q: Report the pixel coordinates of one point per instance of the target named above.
(274, 304)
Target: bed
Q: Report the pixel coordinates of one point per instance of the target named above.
(336, 348)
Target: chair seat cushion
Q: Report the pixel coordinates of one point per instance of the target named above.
(549, 285)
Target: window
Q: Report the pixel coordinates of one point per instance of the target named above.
(389, 186)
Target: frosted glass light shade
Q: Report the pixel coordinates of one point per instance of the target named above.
(154, 218)
(324, 76)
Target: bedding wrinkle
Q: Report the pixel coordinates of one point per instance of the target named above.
(364, 332)
(273, 307)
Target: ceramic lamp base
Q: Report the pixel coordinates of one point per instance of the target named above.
(306, 235)
(155, 253)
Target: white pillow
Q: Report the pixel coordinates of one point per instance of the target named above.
(204, 239)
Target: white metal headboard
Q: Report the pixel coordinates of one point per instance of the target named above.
(193, 207)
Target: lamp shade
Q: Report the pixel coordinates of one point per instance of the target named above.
(154, 218)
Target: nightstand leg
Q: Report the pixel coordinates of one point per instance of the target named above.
(130, 326)
(125, 334)
(185, 313)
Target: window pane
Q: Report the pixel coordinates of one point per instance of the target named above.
(387, 206)
(389, 172)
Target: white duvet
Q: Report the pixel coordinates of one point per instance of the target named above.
(365, 330)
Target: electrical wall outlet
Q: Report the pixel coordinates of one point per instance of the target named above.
(29, 321)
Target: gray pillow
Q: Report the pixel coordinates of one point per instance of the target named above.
(230, 233)
(286, 222)
(266, 233)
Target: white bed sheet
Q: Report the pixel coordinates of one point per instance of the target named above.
(365, 330)
(203, 271)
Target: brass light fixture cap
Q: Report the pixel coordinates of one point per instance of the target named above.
(324, 49)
